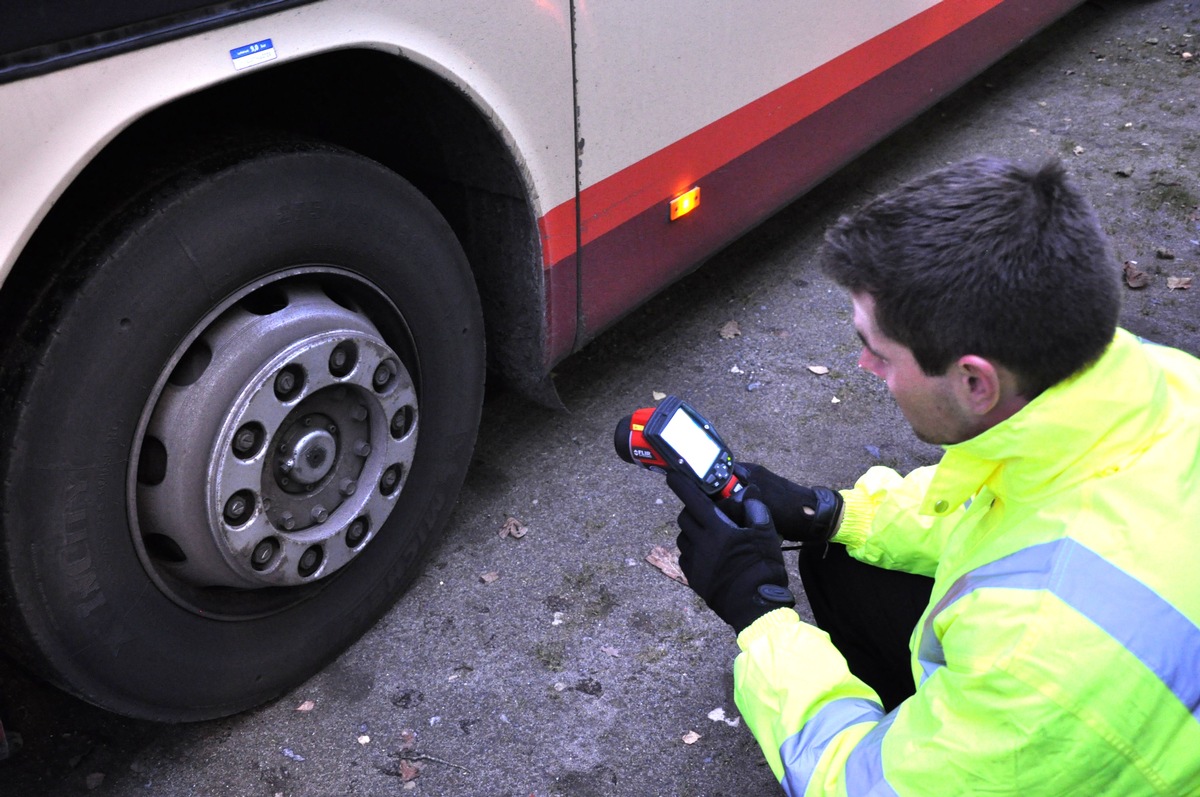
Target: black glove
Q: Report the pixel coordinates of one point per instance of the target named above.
(735, 566)
(802, 514)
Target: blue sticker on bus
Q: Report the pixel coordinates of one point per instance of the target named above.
(252, 54)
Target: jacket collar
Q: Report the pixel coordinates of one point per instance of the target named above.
(1070, 432)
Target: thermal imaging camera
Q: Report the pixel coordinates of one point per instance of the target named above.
(673, 436)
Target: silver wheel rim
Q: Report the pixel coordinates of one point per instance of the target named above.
(274, 446)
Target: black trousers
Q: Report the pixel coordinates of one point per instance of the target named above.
(869, 613)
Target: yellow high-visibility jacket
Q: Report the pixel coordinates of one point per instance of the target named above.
(1060, 653)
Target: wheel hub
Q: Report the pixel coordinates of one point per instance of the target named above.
(279, 445)
(306, 453)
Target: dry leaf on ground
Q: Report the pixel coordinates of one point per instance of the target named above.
(489, 577)
(1134, 276)
(1179, 283)
(409, 770)
(730, 330)
(819, 369)
(718, 715)
(307, 705)
(513, 528)
(667, 560)
(691, 737)
(658, 396)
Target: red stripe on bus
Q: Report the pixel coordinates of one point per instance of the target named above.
(673, 169)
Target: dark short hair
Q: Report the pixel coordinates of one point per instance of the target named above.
(985, 257)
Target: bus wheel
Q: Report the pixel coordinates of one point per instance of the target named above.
(234, 422)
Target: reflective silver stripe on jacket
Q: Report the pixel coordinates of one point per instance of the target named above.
(1149, 627)
(801, 752)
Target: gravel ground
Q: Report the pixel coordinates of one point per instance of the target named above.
(579, 668)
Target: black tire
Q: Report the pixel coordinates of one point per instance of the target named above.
(145, 605)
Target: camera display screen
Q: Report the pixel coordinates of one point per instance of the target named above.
(691, 442)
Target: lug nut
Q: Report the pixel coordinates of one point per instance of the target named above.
(362, 448)
(320, 514)
(359, 413)
(347, 487)
(383, 375)
(356, 532)
(287, 520)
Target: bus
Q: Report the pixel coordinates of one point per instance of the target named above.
(259, 258)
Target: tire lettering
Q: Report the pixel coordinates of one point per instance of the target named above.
(75, 557)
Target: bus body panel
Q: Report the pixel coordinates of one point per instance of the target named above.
(767, 151)
(55, 123)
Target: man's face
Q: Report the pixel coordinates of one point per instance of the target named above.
(930, 403)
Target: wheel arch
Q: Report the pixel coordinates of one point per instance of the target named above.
(376, 104)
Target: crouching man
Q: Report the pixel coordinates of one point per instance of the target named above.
(1022, 618)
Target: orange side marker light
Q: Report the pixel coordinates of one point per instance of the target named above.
(685, 203)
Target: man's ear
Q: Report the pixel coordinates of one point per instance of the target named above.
(980, 384)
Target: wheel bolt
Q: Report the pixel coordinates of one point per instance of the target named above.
(356, 532)
(238, 507)
(285, 383)
(310, 560)
(383, 375)
(342, 358)
(347, 487)
(359, 413)
(288, 382)
(320, 514)
(402, 422)
(287, 520)
(264, 552)
(390, 480)
(362, 448)
(245, 442)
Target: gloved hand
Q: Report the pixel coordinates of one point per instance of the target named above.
(735, 566)
(802, 514)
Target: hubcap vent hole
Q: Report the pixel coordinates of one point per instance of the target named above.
(265, 301)
(163, 548)
(192, 366)
(152, 462)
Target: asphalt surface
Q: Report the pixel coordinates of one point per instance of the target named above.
(561, 662)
